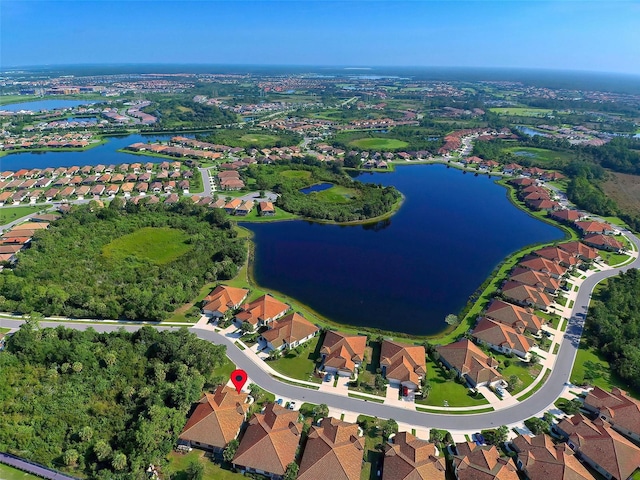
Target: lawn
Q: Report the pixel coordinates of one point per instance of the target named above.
(372, 455)
(443, 389)
(522, 111)
(10, 473)
(523, 370)
(590, 364)
(178, 463)
(336, 194)
(254, 216)
(303, 174)
(258, 139)
(160, 245)
(300, 365)
(541, 154)
(9, 214)
(377, 143)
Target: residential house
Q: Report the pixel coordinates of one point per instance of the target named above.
(403, 364)
(245, 208)
(603, 242)
(471, 363)
(557, 255)
(223, 300)
(232, 206)
(261, 311)
(342, 353)
(334, 450)
(580, 250)
(216, 419)
(266, 209)
(540, 458)
(567, 216)
(289, 332)
(502, 338)
(540, 264)
(587, 227)
(617, 408)
(601, 447)
(526, 296)
(270, 442)
(535, 279)
(482, 462)
(409, 458)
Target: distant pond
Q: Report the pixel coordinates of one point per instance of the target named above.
(407, 273)
(39, 105)
(318, 187)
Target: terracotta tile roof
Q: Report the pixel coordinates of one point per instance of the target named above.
(543, 265)
(409, 458)
(266, 207)
(468, 359)
(558, 255)
(541, 458)
(526, 295)
(342, 350)
(606, 447)
(496, 333)
(474, 462)
(536, 279)
(262, 309)
(403, 362)
(593, 227)
(289, 329)
(270, 441)
(580, 250)
(567, 215)
(621, 409)
(223, 298)
(333, 452)
(603, 241)
(217, 418)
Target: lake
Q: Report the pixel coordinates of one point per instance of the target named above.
(407, 273)
(318, 187)
(39, 105)
(105, 154)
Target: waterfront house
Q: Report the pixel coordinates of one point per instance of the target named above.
(526, 296)
(261, 311)
(270, 442)
(334, 449)
(471, 363)
(403, 364)
(216, 420)
(603, 242)
(409, 458)
(245, 208)
(535, 279)
(289, 332)
(266, 209)
(543, 265)
(587, 227)
(223, 300)
(231, 207)
(567, 216)
(581, 250)
(502, 338)
(557, 255)
(342, 353)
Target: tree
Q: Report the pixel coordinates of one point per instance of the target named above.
(426, 388)
(452, 320)
(534, 359)
(70, 457)
(230, 450)
(537, 425)
(572, 407)
(436, 436)
(195, 470)
(513, 383)
(389, 427)
(102, 450)
(291, 473)
(119, 461)
(379, 382)
(320, 411)
(246, 327)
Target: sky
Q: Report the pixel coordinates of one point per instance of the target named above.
(562, 34)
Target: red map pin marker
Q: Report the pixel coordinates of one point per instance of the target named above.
(238, 378)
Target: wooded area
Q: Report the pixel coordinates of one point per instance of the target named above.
(72, 269)
(613, 325)
(103, 406)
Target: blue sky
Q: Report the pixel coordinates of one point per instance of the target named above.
(562, 34)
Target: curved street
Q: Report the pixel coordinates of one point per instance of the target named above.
(538, 402)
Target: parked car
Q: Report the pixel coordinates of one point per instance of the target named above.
(405, 391)
(279, 401)
(328, 377)
(292, 405)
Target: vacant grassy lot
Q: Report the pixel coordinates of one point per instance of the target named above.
(300, 365)
(540, 154)
(9, 214)
(303, 174)
(443, 389)
(377, 143)
(522, 111)
(593, 369)
(159, 245)
(258, 139)
(178, 463)
(10, 473)
(336, 194)
(624, 189)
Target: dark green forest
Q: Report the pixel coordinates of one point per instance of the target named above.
(101, 405)
(65, 272)
(613, 325)
(182, 111)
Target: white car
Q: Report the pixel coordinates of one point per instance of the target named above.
(292, 405)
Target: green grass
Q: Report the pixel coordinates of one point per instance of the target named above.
(255, 217)
(159, 245)
(613, 259)
(300, 365)
(10, 473)
(377, 143)
(541, 154)
(523, 370)
(366, 399)
(454, 412)
(178, 463)
(595, 367)
(537, 387)
(9, 214)
(522, 111)
(4, 330)
(258, 139)
(298, 174)
(456, 394)
(336, 194)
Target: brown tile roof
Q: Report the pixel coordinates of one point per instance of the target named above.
(536, 279)
(223, 298)
(403, 362)
(270, 441)
(474, 462)
(558, 255)
(289, 329)
(603, 241)
(262, 309)
(409, 458)
(333, 452)
(541, 458)
(501, 335)
(526, 295)
(622, 409)
(593, 227)
(567, 215)
(580, 250)
(543, 265)
(266, 207)
(468, 359)
(342, 350)
(606, 447)
(217, 418)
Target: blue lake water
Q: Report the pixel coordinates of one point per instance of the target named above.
(318, 187)
(105, 154)
(407, 273)
(530, 131)
(39, 105)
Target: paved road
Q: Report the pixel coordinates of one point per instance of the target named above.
(539, 401)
